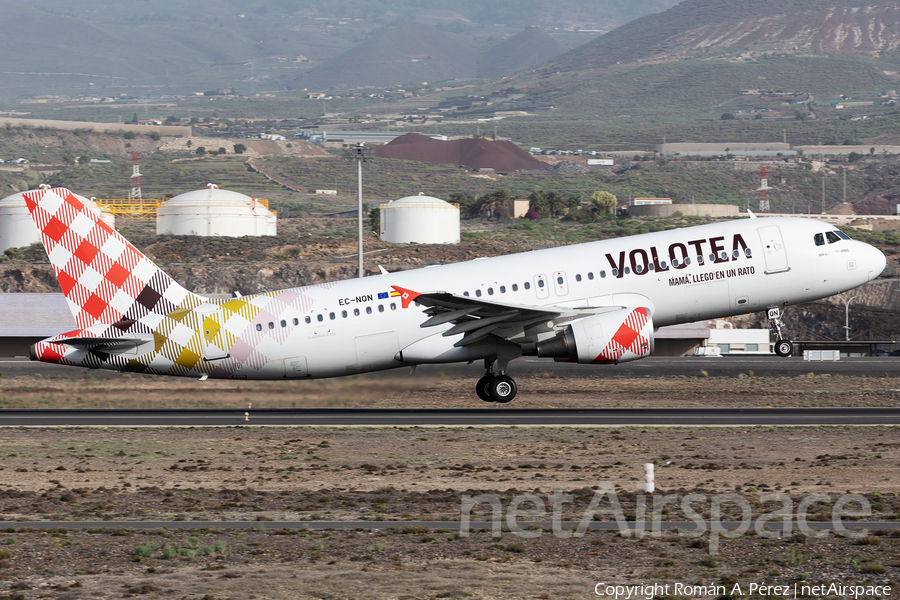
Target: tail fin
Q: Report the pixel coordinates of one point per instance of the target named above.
(112, 288)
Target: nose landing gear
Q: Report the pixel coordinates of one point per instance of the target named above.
(782, 347)
(495, 387)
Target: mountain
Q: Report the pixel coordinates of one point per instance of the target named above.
(710, 28)
(411, 52)
(695, 57)
(531, 47)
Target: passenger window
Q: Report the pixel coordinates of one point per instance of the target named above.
(578, 277)
(393, 306)
(465, 294)
(675, 262)
(687, 261)
(712, 257)
(283, 323)
(662, 265)
(638, 269)
(308, 320)
(559, 280)
(355, 312)
(747, 252)
(527, 285)
(344, 314)
(368, 310)
(540, 283)
(478, 293)
(736, 253)
(699, 260)
(820, 239)
(515, 287)
(602, 274)
(652, 267)
(490, 291)
(331, 316)
(591, 276)
(832, 237)
(627, 270)
(297, 321)
(320, 318)
(502, 289)
(380, 308)
(615, 272)
(271, 325)
(259, 326)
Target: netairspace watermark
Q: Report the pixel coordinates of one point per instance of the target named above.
(650, 590)
(605, 501)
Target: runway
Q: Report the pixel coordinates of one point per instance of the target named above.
(728, 366)
(480, 417)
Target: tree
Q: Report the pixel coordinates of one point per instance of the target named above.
(728, 117)
(130, 135)
(375, 220)
(222, 150)
(134, 119)
(854, 157)
(154, 136)
(800, 115)
(240, 148)
(555, 203)
(604, 203)
(189, 143)
(537, 202)
(200, 150)
(871, 151)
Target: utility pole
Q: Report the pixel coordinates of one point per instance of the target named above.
(847, 316)
(360, 153)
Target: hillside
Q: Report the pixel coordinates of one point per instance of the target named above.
(694, 58)
(411, 52)
(150, 49)
(528, 48)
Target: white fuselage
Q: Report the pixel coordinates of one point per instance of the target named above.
(748, 265)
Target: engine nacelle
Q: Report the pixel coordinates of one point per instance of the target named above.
(609, 338)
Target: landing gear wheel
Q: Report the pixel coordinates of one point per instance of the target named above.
(503, 388)
(483, 388)
(784, 348)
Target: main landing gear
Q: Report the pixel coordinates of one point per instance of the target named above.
(495, 387)
(782, 347)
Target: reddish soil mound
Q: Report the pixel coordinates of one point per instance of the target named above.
(473, 153)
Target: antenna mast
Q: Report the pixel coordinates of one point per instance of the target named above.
(763, 189)
(135, 176)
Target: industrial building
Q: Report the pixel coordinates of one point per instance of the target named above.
(215, 212)
(420, 219)
(18, 230)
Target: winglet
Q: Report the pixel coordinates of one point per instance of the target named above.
(752, 216)
(406, 296)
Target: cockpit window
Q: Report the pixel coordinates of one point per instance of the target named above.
(832, 237)
(841, 234)
(820, 239)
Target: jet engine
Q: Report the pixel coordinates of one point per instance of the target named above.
(613, 337)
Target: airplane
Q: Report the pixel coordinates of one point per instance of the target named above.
(593, 303)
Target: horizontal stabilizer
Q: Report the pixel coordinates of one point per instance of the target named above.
(85, 341)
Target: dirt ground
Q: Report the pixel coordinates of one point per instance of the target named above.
(268, 475)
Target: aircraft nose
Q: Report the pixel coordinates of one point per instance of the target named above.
(876, 261)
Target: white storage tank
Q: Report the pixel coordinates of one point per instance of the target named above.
(420, 219)
(18, 230)
(215, 212)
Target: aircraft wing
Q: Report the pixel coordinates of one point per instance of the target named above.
(477, 317)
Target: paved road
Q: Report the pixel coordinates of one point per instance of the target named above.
(447, 417)
(730, 366)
